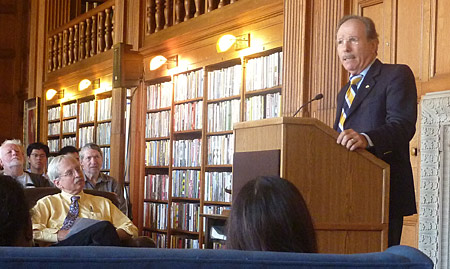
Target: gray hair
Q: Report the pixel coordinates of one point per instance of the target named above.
(371, 32)
(14, 142)
(90, 146)
(53, 168)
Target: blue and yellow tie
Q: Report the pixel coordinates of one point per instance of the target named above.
(72, 214)
(349, 96)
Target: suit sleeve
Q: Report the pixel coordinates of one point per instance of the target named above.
(401, 113)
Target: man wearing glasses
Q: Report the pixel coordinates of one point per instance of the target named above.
(377, 111)
(74, 218)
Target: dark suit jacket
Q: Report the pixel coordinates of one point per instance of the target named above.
(385, 108)
(38, 180)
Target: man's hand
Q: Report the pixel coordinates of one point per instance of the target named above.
(352, 140)
(62, 234)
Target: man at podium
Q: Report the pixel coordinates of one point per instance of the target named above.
(377, 111)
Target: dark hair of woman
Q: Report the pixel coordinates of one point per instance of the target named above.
(270, 214)
(15, 222)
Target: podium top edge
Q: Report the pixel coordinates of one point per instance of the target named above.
(311, 122)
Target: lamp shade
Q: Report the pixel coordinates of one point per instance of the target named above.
(50, 94)
(225, 42)
(157, 61)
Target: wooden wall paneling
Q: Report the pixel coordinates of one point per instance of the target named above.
(327, 73)
(296, 66)
(380, 11)
(13, 74)
(408, 35)
(442, 61)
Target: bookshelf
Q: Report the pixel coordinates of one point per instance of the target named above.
(189, 141)
(79, 121)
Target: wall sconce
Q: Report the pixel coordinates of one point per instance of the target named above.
(240, 42)
(159, 60)
(84, 84)
(52, 92)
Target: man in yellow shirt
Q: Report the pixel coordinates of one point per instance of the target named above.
(73, 217)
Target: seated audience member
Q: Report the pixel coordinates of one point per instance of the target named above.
(15, 222)
(12, 159)
(71, 151)
(74, 218)
(37, 154)
(269, 214)
(91, 161)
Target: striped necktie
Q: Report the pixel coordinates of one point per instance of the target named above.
(349, 96)
(72, 214)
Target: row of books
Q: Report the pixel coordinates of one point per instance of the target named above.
(188, 116)
(187, 153)
(263, 106)
(104, 109)
(188, 85)
(53, 145)
(87, 111)
(264, 72)
(106, 152)
(69, 141)
(273, 105)
(54, 128)
(224, 82)
(86, 135)
(69, 126)
(156, 187)
(159, 95)
(219, 245)
(157, 124)
(215, 185)
(215, 209)
(104, 133)
(54, 113)
(182, 241)
(220, 149)
(222, 115)
(185, 216)
(159, 238)
(155, 216)
(157, 153)
(70, 110)
(186, 183)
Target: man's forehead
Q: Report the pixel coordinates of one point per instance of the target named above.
(37, 151)
(91, 152)
(68, 163)
(11, 146)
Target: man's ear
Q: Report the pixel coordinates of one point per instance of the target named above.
(56, 183)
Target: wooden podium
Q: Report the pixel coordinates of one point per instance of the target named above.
(347, 192)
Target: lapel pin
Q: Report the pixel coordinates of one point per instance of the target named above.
(367, 86)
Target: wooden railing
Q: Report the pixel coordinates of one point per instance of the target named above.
(161, 14)
(87, 35)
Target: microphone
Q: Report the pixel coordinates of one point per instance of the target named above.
(317, 97)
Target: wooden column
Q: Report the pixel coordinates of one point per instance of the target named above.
(310, 62)
(119, 96)
(295, 51)
(327, 73)
(136, 153)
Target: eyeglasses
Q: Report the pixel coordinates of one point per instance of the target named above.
(71, 173)
(352, 40)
